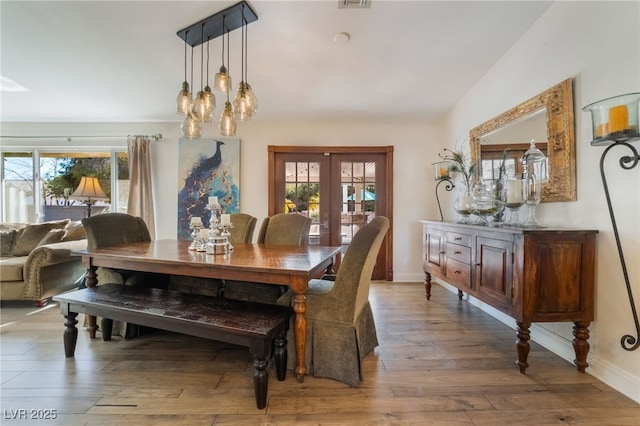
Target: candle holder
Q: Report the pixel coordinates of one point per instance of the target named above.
(610, 128)
(195, 235)
(512, 196)
(442, 174)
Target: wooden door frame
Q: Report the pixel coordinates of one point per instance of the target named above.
(387, 244)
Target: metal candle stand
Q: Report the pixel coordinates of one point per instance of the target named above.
(218, 241)
(616, 123)
(449, 186)
(627, 162)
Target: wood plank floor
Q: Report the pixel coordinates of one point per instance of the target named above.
(440, 362)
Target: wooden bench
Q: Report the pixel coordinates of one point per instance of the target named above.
(255, 325)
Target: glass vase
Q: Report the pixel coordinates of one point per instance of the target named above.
(463, 205)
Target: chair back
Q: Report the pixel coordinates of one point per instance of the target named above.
(354, 275)
(285, 229)
(243, 227)
(111, 229)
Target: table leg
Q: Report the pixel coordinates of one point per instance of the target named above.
(70, 336)
(427, 285)
(91, 281)
(300, 333)
(522, 345)
(581, 344)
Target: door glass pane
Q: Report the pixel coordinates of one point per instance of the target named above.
(302, 193)
(358, 197)
(17, 187)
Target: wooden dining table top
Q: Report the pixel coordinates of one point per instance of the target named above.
(275, 264)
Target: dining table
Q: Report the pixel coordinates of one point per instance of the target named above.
(292, 266)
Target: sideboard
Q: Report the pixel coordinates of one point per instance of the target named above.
(532, 275)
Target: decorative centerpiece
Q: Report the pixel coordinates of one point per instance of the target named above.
(459, 163)
(195, 224)
(218, 233)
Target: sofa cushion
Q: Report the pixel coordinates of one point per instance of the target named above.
(32, 234)
(6, 241)
(53, 236)
(12, 268)
(75, 231)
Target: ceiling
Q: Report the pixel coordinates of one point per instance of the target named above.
(121, 61)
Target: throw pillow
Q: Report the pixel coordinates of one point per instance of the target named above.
(32, 234)
(6, 241)
(53, 236)
(75, 231)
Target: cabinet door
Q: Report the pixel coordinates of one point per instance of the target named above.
(494, 271)
(434, 249)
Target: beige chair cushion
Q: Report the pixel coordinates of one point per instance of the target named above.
(7, 237)
(32, 235)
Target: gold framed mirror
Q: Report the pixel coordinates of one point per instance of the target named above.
(557, 102)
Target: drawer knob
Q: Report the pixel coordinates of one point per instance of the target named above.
(457, 238)
(456, 272)
(457, 252)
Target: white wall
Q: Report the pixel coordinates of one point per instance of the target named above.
(598, 45)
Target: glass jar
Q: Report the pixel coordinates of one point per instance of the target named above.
(463, 204)
(485, 204)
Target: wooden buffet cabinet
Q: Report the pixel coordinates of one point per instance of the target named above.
(532, 275)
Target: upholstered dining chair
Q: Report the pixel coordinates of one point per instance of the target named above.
(280, 229)
(242, 232)
(243, 227)
(340, 325)
(111, 229)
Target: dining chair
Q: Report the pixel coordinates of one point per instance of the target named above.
(111, 229)
(243, 227)
(280, 229)
(340, 325)
(242, 232)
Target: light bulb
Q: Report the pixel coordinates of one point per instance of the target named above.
(227, 122)
(184, 101)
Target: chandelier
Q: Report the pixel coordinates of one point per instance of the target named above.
(202, 108)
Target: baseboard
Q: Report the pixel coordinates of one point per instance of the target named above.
(603, 370)
(408, 278)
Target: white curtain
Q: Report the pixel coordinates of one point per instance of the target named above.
(140, 193)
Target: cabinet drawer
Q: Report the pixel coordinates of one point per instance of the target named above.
(458, 238)
(458, 273)
(459, 253)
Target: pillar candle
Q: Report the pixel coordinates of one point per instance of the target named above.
(213, 201)
(618, 118)
(225, 219)
(195, 221)
(514, 191)
(204, 234)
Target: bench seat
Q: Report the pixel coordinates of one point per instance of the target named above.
(254, 325)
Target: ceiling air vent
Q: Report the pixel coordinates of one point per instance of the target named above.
(353, 4)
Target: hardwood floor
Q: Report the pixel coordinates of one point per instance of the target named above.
(439, 362)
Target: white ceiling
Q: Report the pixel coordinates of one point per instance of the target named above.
(84, 61)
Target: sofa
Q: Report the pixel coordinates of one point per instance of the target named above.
(36, 261)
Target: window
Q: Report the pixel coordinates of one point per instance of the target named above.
(36, 185)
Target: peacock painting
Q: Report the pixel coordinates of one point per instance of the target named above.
(207, 168)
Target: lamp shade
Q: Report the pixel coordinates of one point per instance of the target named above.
(89, 190)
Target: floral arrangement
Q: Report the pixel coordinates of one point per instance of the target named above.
(459, 164)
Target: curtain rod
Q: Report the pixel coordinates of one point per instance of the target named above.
(157, 137)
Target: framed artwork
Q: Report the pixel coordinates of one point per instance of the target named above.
(207, 168)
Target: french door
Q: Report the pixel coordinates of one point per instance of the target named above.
(340, 188)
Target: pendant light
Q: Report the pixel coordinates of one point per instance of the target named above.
(222, 80)
(227, 120)
(184, 101)
(245, 102)
(191, 128)
(204, 103)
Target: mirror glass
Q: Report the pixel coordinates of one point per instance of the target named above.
(548, 120)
